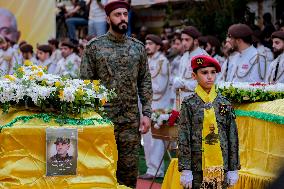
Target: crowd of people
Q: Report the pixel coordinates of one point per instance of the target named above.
(154, 68)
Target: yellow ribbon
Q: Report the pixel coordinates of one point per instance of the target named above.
(212, 159)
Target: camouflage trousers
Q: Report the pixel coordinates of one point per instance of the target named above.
(128, 144)
(198, 178)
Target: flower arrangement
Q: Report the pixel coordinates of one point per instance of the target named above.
(32, 86)
(164, 117)
(244, 92)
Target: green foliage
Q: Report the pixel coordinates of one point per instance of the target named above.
(237, 95)
(213, 17)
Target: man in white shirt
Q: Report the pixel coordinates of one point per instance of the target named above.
(43, 54)
(184, 81)
(276, 69)
(260, 47)
(69, 64)
(160, 74)
(250, 65)
(228, 66)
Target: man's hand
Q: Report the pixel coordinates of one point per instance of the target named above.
(145, 124)
(178, 83)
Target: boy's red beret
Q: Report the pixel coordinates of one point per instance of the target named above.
(202, 61)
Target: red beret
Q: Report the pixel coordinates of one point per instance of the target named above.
(278, 34)
(191, 31)
(156, 39)
(115, 5)
(239, 31)
(202, 61)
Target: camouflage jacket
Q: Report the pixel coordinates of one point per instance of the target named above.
(190, 133)
(120, 63)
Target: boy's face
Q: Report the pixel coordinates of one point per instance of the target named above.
(42, 56)
(205, 77)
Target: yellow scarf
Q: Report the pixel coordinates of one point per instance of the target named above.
(212, 159)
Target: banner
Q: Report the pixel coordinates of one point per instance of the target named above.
(35, 19)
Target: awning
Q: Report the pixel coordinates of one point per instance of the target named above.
(150, 2)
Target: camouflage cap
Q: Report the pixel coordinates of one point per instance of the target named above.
(62, 140)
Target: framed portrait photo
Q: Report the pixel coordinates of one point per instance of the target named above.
(61, 151)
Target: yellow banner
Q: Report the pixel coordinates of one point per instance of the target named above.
(35, 19)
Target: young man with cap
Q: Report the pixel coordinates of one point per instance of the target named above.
(160, 74)
(69, 64)
(43, 54)
(276, 69)
(250, 66)
(184, 81)
(120, 62)
(208, 137)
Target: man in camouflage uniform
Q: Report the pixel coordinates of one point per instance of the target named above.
(120, 62)
(191, 128)
(62, 163)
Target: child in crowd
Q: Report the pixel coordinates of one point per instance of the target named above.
(208, 137)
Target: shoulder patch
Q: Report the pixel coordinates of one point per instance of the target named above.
(136, 41)
(93, 40)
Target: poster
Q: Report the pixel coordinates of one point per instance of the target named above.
(61, 151)
(35, 19)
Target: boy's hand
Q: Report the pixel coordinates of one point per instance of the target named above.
(186, 179)
(232, 177)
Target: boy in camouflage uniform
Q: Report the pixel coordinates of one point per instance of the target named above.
(198, 146)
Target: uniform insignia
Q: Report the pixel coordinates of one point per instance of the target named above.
(208, 105)
(223, 109)
(199, 61)
(245, 66)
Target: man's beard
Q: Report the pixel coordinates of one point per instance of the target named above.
(116, 28)
(277, 52)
